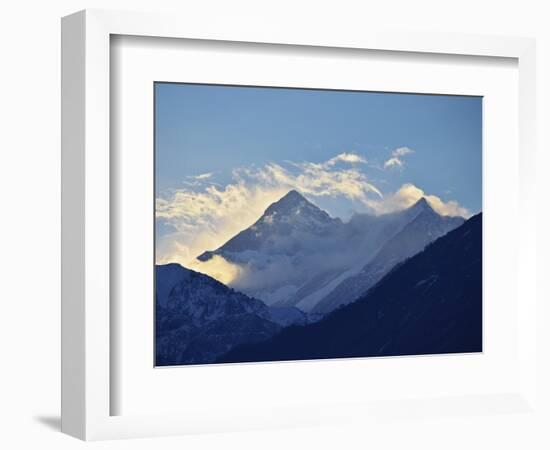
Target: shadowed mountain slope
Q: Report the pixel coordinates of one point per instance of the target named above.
(425, 227)
(430, 303)
(198, 318)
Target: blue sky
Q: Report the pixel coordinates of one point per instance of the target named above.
(207, 132)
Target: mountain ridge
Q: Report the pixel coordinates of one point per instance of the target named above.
(295, 254)
(430, 303)
(191, 322)
(424, 228)
(284, 213)
(197, 317)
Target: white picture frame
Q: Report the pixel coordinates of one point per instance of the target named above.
(86, 217)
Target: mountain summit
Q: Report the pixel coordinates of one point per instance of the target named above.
(295, 254)
(294, 203)
(295, 209)
(421, 205)
(282, 249)
(291, 200)
(292, 213)
(422, 226)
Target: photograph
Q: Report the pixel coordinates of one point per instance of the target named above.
(265, 226)
(300, 224)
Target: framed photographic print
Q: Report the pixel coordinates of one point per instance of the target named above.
(266, 228)
(291, 226)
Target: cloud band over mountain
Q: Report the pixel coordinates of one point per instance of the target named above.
(207, 215)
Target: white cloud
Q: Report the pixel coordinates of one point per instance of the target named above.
(402, 151)
(352, 158)
(198, 180)
(202, 176)
(205, 216)
(276, 275)
(393, 162)
(219, 268)
(319, 180)
(205, 219)
(408, 194)
(396, 159)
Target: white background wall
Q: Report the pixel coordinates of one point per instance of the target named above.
(29, 226)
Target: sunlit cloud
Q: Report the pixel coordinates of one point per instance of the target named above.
(205, 218)
(402, 151)
(205, 215)
(202, 176)
(352, 158)
(396, 159)
(408, 194)
(219, 268)
(393, 162)
(199, 180)
(318, 180)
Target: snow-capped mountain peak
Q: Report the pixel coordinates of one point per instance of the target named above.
(422, 226)
(292, 214)
(295, 208)
(296, 254)
(421, 205)
(290, 201)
